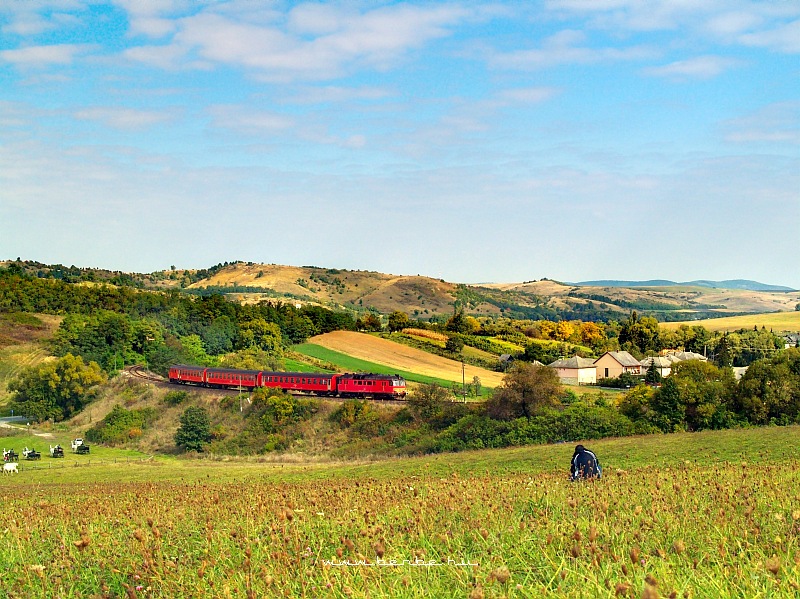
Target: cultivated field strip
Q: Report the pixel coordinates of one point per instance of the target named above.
(404, 358)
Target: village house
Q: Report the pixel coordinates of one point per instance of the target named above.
(662, 363)
(576, 370)
(613, 363)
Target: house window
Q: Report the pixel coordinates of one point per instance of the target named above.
(606, 372)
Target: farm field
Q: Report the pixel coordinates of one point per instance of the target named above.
(401, 357)
(347, 363)
(776, 321)
(700, 515)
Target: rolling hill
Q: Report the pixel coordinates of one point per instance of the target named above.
(425, 298)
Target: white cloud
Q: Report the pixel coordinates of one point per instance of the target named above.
(771, 25)
(126, 118)
(43, 56)
(784, 38)
(700, 67)
(246, 120)
(318, 42)
(337, 94)
(527, 95)
(776, 123)
(566, 47)
(151, 17)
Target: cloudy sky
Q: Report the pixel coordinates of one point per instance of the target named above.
(472, 141)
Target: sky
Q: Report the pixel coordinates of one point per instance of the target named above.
(470, 141)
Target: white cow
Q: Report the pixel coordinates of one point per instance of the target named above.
(10, 468)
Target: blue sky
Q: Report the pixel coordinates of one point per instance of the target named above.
(472, 141)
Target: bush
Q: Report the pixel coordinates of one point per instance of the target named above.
(194, 433)
(174, 398)
(121, 425)
(623, 381)
(476, 431)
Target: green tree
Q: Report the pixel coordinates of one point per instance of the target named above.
(370, 322)
(260, 333)
(398, 321)
(635, 404)
(194, 433)
(252, 358)
(460, 323)
(526, 390)
(697, 395)
(56, 389)
(724, 354)
(454, 344)
(640, 334)
(653, 374)
(428, 401)
(668, 407)
(770, 389)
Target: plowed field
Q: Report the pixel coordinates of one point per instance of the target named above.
(402, 357)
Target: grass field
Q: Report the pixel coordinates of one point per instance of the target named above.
(776, 321)
(712, 514)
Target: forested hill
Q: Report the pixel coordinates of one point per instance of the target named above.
(425, 298)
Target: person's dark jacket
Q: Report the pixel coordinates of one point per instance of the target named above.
(584, 464)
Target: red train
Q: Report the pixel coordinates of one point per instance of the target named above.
(375, 386)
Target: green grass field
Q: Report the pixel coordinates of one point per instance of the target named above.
(776, 321)
(714, 514)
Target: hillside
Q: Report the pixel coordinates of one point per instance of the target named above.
(426, 297)
(395, 355)
(21, 337)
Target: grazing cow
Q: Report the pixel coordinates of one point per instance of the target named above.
(10, 468)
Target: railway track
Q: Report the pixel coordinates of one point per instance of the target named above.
(139, 372)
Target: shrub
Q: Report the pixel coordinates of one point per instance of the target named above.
(121, 425)
(194, 433)
(174, 398)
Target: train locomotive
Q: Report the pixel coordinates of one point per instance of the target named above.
(360, 386)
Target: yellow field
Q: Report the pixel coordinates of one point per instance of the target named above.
(402, 357)
(777, 321)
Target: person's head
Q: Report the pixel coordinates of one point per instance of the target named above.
(579, 448)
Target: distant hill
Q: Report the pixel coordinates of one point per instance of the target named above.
(743, 284)
(427, 298)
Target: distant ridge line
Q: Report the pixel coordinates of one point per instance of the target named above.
(740, 284)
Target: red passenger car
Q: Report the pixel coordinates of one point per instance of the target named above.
(183, 374)
(231, 378)
(306, 382)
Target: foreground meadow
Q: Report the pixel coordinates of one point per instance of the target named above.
(705, 515)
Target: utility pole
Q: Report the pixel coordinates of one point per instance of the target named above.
(463, 381)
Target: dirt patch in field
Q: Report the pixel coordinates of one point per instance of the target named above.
(402, 357)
